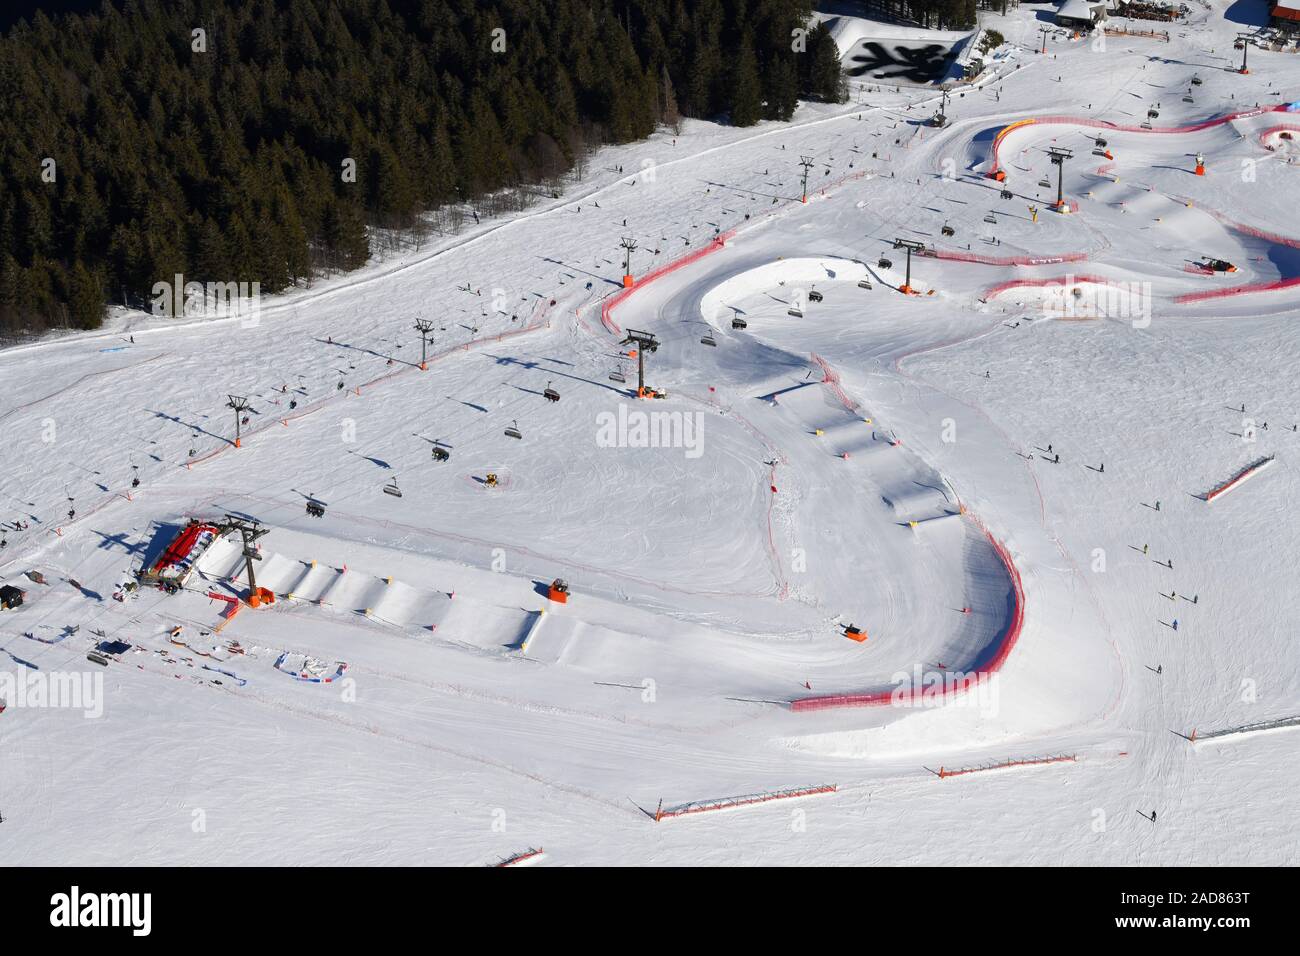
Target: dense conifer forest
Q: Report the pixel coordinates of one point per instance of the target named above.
(133, 148)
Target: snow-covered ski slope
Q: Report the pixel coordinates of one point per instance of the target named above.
(1001, 482)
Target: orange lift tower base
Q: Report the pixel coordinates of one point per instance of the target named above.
(240, 405)
(644, 342)
(249, 532)
(1058, 155)
(807, 163)
(628, 244)
(424, 327)
(911, 245)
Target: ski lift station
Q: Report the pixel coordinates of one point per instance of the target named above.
(10, 597)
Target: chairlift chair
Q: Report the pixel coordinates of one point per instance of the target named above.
(948, 230)
(1188, 99)
(513, 431)
(1153, 114)
(1101, 143)
(739, 323)
(1045, 183)
(550, 394)
(992, 219)
(708, 339)
(440, 453)
(617, 376)
(1006, 194)
(864, 284)
(392, 489)
(1196, 81)
(797, 313)
(814, 296)
(315, 508)
(884, 263)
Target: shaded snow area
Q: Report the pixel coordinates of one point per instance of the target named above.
(1031, 520)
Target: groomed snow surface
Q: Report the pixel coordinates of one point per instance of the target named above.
(1003, 481)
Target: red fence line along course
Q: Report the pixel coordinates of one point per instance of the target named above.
(714, 244)
(1007, 286)
(1002, 648)
(1122, 128)
(729, 803)
(1005, 260)
(529, 854)
(1006, 764)
(1250, 470)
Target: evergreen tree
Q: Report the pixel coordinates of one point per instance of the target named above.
(225, 166)
(746, 95)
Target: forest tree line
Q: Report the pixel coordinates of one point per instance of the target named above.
(935, 14)
(129, 155)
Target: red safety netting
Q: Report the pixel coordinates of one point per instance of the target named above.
(1002, 287)
(1005, 260)
(999, 651)
(1119, 127)
(613, 301)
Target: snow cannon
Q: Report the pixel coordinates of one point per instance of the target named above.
(1218, 265)
(559, 591)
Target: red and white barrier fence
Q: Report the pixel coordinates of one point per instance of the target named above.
(945, 772)
(532, 853)
(1250, 471)
(734, 803)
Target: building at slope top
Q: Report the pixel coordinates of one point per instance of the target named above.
(1286, 14)
(1083, 14)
